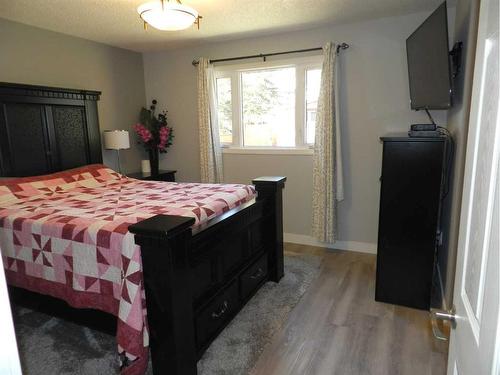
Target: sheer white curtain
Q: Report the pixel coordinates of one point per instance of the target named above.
(210, 150)
(328, 186)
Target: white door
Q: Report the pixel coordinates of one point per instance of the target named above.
(9, 357)
(474, 343)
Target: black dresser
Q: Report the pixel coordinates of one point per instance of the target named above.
(413, 184)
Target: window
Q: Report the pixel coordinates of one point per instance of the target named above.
(224, 110)
(269, 104)
(268, 107)
(313, 82)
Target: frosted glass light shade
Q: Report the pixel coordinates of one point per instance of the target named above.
(167, 15)
(116, 140)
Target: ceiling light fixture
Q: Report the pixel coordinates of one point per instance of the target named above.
(168, 15)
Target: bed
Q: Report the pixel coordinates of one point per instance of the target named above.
(173, 262)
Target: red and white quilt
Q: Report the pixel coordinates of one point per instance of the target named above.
(66, 235)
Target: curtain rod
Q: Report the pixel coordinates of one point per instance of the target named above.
(265, 55)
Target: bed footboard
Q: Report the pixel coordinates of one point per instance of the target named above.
(270, 190)
(178, 296)
(164, 242)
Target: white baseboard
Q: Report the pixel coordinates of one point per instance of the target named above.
(362, 247)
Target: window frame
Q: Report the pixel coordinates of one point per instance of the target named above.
(233, 71)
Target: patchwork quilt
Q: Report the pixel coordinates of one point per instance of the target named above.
(66, 235)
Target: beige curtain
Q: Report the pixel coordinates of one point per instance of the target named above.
(210, 150)
(327, 166)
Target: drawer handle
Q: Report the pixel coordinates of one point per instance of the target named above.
(222, 311)
(258, 274)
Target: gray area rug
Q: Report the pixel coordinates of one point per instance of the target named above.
(50, 346)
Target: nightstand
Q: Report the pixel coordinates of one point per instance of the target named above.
(168, 176)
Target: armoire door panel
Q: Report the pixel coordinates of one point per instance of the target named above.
(23, 132)
(71, 139)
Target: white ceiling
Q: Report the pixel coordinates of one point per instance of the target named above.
(116, 22)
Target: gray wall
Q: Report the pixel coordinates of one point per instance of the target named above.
(374, 101)
(466, 22)
(35, 56)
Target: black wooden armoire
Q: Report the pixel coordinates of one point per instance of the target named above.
(61, 124)
(413, 183)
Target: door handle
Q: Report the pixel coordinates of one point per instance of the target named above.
(437, 314)
(258, 274)
(221, 312)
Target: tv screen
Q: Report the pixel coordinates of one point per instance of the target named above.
(429, 63)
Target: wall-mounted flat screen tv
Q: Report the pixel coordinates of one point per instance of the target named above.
(429, 63)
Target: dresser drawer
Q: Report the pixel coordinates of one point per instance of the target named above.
(217, 313)
(253, 276)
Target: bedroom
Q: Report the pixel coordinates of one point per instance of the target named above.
(103, 46)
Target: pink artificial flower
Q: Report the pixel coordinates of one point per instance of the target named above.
(143, 132)
(146, 136)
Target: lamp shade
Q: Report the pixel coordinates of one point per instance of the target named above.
(167, 15)
(116, 140)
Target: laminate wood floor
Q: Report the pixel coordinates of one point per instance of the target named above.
(339, 328)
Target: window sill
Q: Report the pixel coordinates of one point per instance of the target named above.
(268, 150)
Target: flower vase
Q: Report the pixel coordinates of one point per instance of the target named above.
(154, 160)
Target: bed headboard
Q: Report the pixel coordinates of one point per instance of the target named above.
(47, 129)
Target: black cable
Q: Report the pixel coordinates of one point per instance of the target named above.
(444, 131)
(450, 150)
(449, 158)
(430, 117)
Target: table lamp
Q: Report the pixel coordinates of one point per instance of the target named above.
(116, 140)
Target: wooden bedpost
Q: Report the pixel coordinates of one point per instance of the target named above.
(164, 242)
(270, 191)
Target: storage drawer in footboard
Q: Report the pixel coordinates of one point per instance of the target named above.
(218, 312)
(253, 277)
